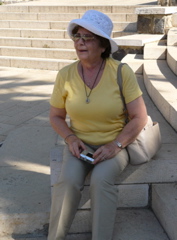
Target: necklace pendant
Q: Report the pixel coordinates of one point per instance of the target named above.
(87, 100)
(88, 84)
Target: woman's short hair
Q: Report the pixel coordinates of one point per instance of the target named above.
(104, 43)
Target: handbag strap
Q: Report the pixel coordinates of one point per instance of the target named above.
(120, 84)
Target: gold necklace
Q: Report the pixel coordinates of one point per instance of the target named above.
(88, 95)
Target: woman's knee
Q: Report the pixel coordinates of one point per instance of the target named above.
(105, 173)
(70, 184)
(98, 182)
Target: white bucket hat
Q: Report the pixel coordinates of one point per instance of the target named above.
(97, 23)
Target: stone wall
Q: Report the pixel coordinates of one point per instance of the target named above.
(154, 24)
(167, 2)
(155, 20)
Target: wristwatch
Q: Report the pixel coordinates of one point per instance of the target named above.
(118, 144)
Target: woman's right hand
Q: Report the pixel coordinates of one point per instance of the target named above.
(76, 146)
(57, 119)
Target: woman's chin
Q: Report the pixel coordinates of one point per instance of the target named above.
(83, 58)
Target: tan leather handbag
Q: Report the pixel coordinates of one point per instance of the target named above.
(148, 141)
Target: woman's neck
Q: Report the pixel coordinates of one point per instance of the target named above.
(91, 73)
(91, 65)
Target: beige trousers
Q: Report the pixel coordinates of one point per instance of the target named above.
(103, 194)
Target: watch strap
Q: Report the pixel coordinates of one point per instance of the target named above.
(118, 144)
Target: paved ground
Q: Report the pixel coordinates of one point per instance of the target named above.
(24, 156)
(24, 95)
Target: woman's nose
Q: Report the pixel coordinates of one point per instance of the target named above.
(81, 41)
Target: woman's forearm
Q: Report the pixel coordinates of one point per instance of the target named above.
(131, 131)
(60, 126)
(138, 114)
(58, 121)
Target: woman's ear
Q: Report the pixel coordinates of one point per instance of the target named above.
(103, 50)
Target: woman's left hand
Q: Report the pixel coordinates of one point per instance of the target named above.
(105, 152)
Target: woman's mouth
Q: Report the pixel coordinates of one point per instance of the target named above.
(81, 50)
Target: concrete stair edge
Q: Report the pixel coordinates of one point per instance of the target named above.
(138, 40)
(121, 219)
(34, 63)
(155, 50)
(71, 9)
(163, 97)
(174, 20)
(172, 37)
(135, 61)
(81, 226)
(59, 25)
(172, 58)
(48, 33)
(164, 205)
(63, 16)
(40, 53)
(36, 42)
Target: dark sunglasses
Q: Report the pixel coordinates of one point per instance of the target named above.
(84, 37)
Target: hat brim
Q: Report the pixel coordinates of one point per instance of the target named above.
(92, 29)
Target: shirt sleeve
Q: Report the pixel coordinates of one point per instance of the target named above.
(58, 96)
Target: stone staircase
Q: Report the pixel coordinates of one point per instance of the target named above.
(35, 36)
(147, 200)
(158, 64)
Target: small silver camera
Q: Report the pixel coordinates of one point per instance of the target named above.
(87, 157)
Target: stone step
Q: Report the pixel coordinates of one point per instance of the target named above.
(172, 58)
(138, 39)
(174, 20)
(142, 174)
(34, 24)
(135, 61)
(34, 63)
(59, 25)
(46, 33)
(45, 52)
(117, 17)
(122, 33)
(69, 9)
(161, 85)
(39, 16)
(141, 224)
(164, 204)
(157, 10)
(155, 50)
(33, 33)
(36, 42)
(172, 37)
(129, 196)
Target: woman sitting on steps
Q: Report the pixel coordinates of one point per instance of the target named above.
(88, 92)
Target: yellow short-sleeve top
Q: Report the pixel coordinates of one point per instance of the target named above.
(101, 120)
